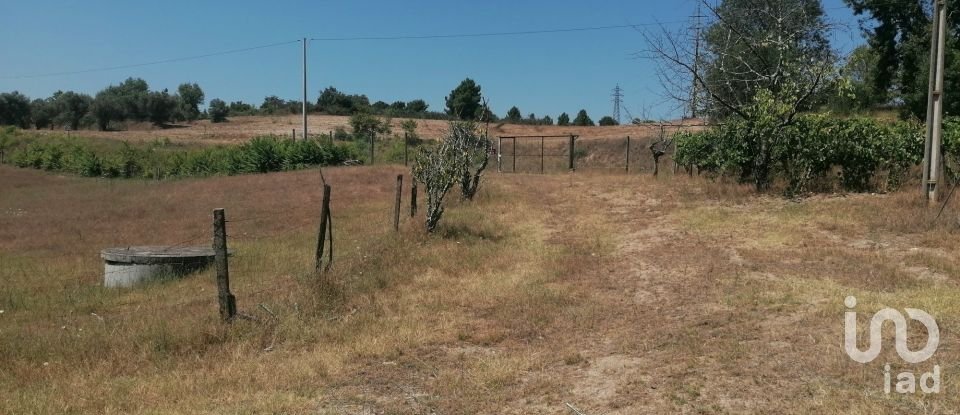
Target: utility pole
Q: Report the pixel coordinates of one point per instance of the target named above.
(695, 88)
(305, 89)
(617, 100)
(932, 160)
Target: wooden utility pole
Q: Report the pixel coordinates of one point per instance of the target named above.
(304, 104)
(228, 303)
(932, 160)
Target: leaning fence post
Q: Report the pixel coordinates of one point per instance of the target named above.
(413, 198)
(396, 206)
(228, 303)
(322, 233)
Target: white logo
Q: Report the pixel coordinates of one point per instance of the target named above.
(907, 381)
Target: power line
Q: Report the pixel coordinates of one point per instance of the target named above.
(488, 34)
(158, 62)
(333, 39)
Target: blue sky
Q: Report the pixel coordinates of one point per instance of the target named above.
(543, 73)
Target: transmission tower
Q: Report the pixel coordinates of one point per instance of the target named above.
(617, 101)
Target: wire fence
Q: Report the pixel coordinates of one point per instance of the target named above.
(557, 154)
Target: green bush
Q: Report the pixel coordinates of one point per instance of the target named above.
(863, 150)
(109, 159)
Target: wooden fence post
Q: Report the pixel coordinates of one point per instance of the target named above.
(572, 166)
(228, 303)
(371, 148)
(499, 154)
(396, 207)
(406, 142)
(514, 155)
(628, 154)
(322, 233)
(541, 154)
(413, 198)
(293, 134)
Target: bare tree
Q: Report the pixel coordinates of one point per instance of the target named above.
(748, 45)
(474, 147)
(761, 61)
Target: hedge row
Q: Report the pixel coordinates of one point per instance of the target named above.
(260, 155)
(865, 154)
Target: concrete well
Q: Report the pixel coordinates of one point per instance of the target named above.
(126, 267)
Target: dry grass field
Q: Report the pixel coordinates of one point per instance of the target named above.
(617, 294)
(243, 128)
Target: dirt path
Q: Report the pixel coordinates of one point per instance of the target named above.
(711, 318)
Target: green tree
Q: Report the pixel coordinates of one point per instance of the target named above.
(464, 101)
(563, 119)
(273, 105)
(856, 89)
(133, 93)
(410, 131)
(334, 102)
(608, 121)
(107, 106)
(582, 119)
(366, 126)
(161, 106)
(191, 97)
(71, 108)
(15, 109)
(898, 33)
(43, 112)
(218, 110)
(547, 120)
(417, 106)
(238, 108)
(513, 115)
